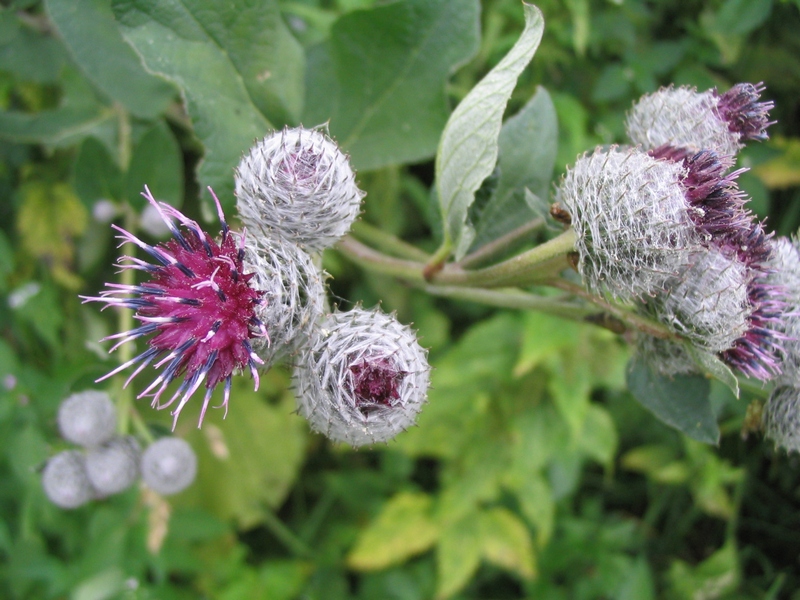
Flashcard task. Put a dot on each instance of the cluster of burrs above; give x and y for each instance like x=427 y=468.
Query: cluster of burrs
x=108 y=463
x=213 y=307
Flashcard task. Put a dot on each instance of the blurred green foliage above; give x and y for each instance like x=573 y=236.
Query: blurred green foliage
x=533 y=473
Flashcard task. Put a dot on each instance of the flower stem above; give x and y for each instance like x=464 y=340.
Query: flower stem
x=285 y=535
x=387 y=242
x=125 y=323
x=495 y=247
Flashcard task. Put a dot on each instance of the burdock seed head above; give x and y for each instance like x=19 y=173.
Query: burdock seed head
x=362 y=379
x=632 y=221
x=87 y=418
x=685 y=118
x=114 y=466
x=296 y=185
x=65 y=481
x=169 y=465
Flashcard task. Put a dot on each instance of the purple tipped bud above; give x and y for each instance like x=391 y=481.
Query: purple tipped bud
x=87 y=418
x=113 y=467
x=169 y=465
x=362 y=379
x=631 y=218
x=685 y=118
x=298 y=186
x=198 y=305
x=781 y=418
x=65 y=481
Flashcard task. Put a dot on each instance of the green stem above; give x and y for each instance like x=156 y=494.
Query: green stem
x=285 y=535
x=495 y=247
x=387 y=242
x=125 y=323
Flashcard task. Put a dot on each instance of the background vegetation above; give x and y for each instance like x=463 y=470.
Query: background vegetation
x=533 y=472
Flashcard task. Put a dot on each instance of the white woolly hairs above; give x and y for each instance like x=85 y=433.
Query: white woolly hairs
x=354 y=349
x=294 y=294
x=684 y=118
x=665 y=357
x=87 y=418
x=169 y=465
x=114 y=467
x=65 y=481
x=781 y=418
x=631 y=220
x=707 y=303
x=298 y=186
x=785 y=276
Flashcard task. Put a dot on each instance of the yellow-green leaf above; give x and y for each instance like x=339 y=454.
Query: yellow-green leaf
x=506 y=543
x=458 y=555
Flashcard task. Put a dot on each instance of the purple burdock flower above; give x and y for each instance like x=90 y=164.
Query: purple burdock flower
x=198 y=304
x=375 y=383
x=745 y=115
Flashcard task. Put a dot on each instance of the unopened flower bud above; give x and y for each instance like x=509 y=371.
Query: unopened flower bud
x=298 y=186
x=781 y=418
x=114 y=466
x=685 y=118
x=65 y=481
x=631 y=218
x=362 y=379
x=87 y=418
x=169 y=465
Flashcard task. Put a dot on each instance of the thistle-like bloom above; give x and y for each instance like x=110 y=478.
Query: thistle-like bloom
x=685 y=118
x=632 y=221
x=297 y=185
x=785 y=275
x=199 y=305
x=781 y=418
x=87 y=418
x=362 y=379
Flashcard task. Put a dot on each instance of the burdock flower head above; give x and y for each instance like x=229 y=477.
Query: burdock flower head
x=198 y=304
x=362 y=379
x=631 y=218
x=296 y=185
x=685 y=118
x=781 y=418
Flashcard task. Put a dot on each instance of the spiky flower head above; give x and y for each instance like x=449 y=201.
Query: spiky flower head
x=114 y=466
x=293 y=294
x=65 y=481
x=631 y=218
x=785 y=275
x=685 y=118
x=169 y=465
x=781 y=418
x=87 y=418
x=298 y=186
x=707 y=302
x=198 y=304
x=362 y=379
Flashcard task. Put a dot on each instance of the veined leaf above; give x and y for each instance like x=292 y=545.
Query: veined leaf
x=469 y=145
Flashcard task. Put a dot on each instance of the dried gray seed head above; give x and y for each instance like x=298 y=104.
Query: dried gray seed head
x=298 y=186
x=87 y=418
x=114 y=466
x=630 y=215
x=65 y=481
x=707 y=302
x=781 y=418
x=293 y=294
x=169 y=465
x=362 y=379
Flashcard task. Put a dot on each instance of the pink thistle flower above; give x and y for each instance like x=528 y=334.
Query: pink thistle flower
x=198 y=304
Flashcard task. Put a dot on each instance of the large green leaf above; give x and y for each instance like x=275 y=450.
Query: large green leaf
x=88 y=29
x=235 y=64
x=27 y=53
x=468 y=148
x=526 y=155
x=156 y=162
x=52 y=127
x=380 y=80
x=681 y=401
x=95 y=175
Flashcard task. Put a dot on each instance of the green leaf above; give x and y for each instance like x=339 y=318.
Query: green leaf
x=95 y=175
x=712 y=365
x=468 y=148
x=248 y=460
x=380 y=79
x=222 y=55
x=27 y=53
x=544 y=335
x=53 y=127
x=526 y=155
x=402 y=529
x=739 y=17
x=715 y=577
x=90 y=32
x=458 y=555
x=537 y=505
x=681 y=402
x=505 y=542
x=158 y=163
x=599 y=439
